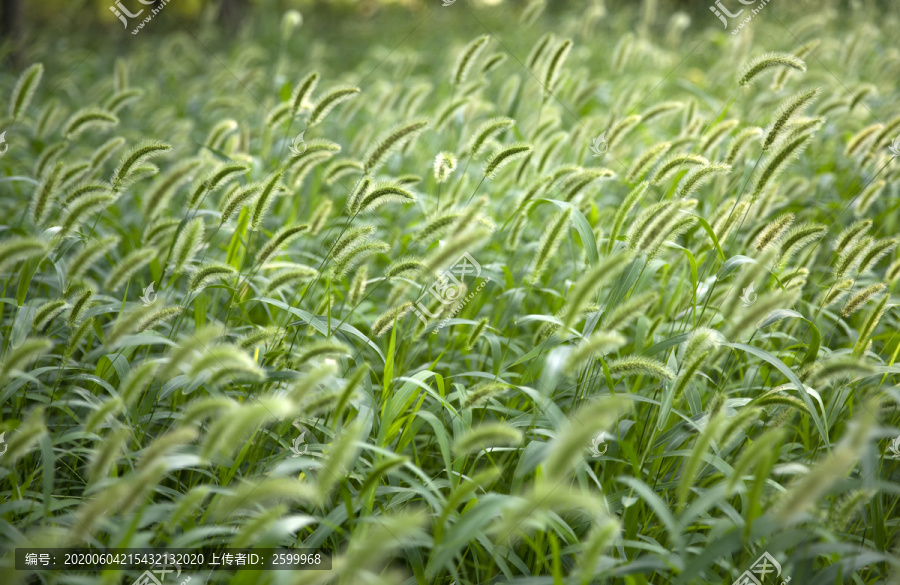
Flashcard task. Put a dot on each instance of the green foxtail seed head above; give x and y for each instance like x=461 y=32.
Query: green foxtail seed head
x=554 y=66
x=673 y=163
x=638 y=365
x=158 y=317
x=698 y=176
x=238 y=198
x=503 y=157
x=46 y=312
x=80 y=333
x=876 y=251
x=385 y=321
x=329 y=102
x=390 y=141
x=292 y=277
x=861 y=138
x=187 y=243
x=787 y=112
x=128 y=266
x=444 y=165
x=279 y=240
x=487 y=130
x=85 y=119
x=20 y=248
x=467 y=58
x=646 y=161
x=858 y=300
x=302 y=92
x=206 y=274
x=550 y=241
x=774 y=230
x=799 y=237
x=22 y=94
x=291 y=20
x=764 y=62
x=776 y=163
x=476 y=333
x=716 y=134
x=319 y=216
x=598 y=343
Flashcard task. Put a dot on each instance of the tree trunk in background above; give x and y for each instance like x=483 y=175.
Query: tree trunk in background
x=231 y=12
x=11 y=28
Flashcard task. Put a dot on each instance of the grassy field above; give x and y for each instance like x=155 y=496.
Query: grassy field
x=463 y=294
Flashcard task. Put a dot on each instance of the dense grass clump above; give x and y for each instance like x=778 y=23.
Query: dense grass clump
x=407 y=307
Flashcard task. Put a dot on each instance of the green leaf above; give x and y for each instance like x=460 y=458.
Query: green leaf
x=389 y=362
x=733 y=264
x=812 y=350
x=673 y=527
x=711 y=233
x=25 y=275
x=318 y=324
x=801 y=389
x=582 y=227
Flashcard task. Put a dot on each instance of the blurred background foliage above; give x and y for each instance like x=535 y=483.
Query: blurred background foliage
x=79 y=14
x=37 y=26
